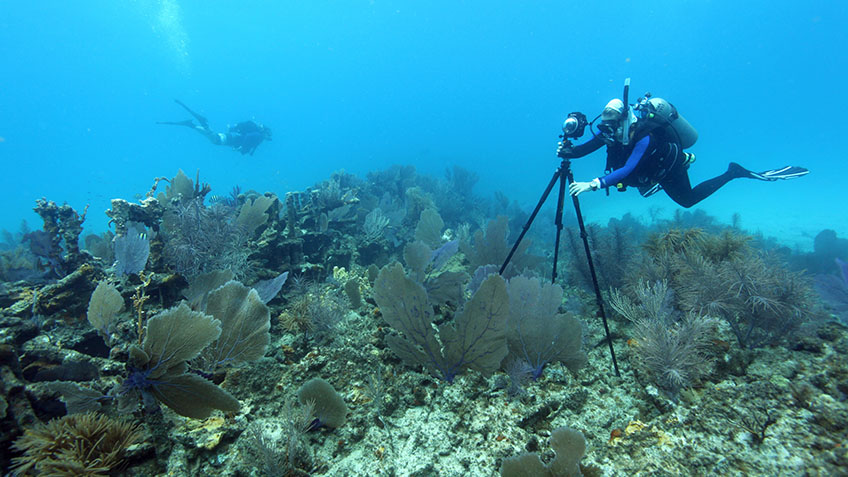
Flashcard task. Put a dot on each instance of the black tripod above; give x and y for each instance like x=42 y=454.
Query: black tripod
x=564 y=175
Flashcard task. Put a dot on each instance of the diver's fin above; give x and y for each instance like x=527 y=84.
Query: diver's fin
x=201 y=119
x=187 y=122
x=787 y=172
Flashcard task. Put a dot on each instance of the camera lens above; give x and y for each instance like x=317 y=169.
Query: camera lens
x=569 y=126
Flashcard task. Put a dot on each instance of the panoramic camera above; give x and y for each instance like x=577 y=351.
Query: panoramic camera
x=574 y=125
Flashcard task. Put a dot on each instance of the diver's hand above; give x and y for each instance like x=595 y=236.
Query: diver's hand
x=577 y=188
x=564 y=150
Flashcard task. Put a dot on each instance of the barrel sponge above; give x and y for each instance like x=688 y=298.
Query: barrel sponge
x=570 y=446
x=524 y=465
x=330 y=408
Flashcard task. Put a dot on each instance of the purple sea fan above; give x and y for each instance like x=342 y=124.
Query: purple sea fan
x=131 y=251
x=441 y=255
x=159 y=370
x=474 y=339
x=537 y=333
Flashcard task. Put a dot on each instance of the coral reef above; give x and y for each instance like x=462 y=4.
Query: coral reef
x=58 y=243
x=278 y=333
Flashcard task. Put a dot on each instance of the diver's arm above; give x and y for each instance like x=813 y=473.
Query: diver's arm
x=249 y=142
x=619 y=174
x=571 y=152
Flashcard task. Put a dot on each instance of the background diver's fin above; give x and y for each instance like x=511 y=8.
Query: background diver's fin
x=187 y=122
x=201 y=119
x=787 y=172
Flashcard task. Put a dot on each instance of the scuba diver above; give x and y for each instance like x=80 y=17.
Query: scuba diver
x=646 y=152
x=244 y=137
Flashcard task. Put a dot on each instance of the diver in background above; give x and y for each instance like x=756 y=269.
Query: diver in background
x=647 y=153
x=244 y=137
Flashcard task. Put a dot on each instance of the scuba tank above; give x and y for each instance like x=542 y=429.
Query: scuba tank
x=663 y=114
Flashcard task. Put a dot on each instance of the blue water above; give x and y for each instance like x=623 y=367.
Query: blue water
x=360 y=85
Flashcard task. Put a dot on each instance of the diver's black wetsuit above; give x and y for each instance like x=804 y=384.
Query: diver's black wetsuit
x=244 y=137
x=653 y=158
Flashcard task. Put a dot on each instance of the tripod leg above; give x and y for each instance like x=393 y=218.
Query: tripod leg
x=542 y=200
x=599 y=299
x=564 y=175
x=558 y=220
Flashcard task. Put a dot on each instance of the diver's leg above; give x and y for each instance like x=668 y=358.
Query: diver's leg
x=676 y=184
x=218 y=139
x=201 y=119
x=679 y=188
x=188 y=123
